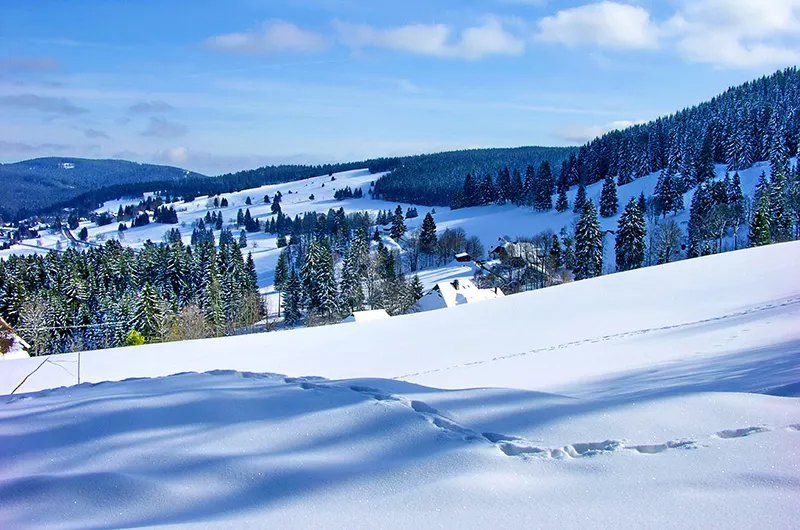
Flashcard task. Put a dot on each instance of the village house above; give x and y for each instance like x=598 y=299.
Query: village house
x=457 y=292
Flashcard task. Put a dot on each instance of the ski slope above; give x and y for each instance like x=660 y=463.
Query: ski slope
x=662 y=397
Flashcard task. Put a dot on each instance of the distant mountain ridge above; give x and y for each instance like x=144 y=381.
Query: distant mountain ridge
x=35 y=185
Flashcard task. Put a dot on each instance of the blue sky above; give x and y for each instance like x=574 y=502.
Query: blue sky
x=217 y=86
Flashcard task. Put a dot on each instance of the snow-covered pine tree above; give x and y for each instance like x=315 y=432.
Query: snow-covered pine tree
x=398 y=224
x=588 y=244
x=780 y=217
x=488 y=193
x=504 y=193
x=544 y=186
x=529 y=186
x=608 y=198
x=580 y=199
x=293 y=314
x=631 y=232
x=427 y=235
x=759 y=226
x=147 y=312
x=562 y=203
x=517 y=188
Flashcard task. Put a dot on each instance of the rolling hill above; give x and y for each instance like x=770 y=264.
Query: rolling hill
x=32 y=186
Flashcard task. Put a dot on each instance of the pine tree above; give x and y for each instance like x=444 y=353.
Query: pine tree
x=529 y=186
x=562 y=203
x=243 y=239
x=780 y=217
x=517 y=187
x=608 y=198
x=580 y=199
x=588 y=244
x=488 y=193
x=642 y=203
x=147 y=312
x=427 y=235
x=293 y=306
x=504 y=191
x=281 y=272
x=398 y=224
x=631 y=231
x=760 y=225
x=248 y=202
x=417 y=290
x=251 y=275
x=544 y=186
x=471 y=192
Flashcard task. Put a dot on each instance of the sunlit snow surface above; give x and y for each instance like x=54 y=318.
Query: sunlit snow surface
x=657 y=398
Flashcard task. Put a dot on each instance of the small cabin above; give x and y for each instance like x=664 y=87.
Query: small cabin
x=517 y=254
x=457 y=292
x=463 y=257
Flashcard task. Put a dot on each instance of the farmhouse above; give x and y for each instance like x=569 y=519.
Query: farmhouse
x=451 y=294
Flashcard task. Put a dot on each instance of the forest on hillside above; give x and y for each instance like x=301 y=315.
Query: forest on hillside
x=434 y=179
x=757 y=121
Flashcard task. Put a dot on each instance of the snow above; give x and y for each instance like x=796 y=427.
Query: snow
x=661 y=397
x=367 y=316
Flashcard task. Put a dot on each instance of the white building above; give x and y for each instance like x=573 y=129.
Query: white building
x=451 y=294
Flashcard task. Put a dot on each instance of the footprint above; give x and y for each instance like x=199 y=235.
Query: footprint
x=740 y=433
x=660 y=448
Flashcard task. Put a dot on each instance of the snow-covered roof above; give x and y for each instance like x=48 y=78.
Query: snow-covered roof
x=367 y=316
x=458 y=292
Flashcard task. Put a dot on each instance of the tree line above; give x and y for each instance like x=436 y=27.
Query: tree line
x=110 y=296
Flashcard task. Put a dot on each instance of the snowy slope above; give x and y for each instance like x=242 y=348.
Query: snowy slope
x=488 y=222
x=653 y=398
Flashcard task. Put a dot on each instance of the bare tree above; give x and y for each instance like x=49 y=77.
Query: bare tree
x=667 y=241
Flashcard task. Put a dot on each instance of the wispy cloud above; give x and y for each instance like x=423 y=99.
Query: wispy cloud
x=434 y=40
x=161 y=128
x=27 y=65
x=583 y=134
x=150 y=107
x=50 y=105
x=96 y=133
x=26 y=149
x=272 y=37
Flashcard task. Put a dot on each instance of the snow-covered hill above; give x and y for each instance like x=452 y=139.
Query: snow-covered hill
x=653 y=398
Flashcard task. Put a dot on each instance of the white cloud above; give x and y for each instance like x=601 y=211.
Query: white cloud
x=605 y=24
x=434 y=40
x=581 y=135
x=737 y=33
x=273 y=37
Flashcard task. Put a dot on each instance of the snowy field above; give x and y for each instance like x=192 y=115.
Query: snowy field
x=662 y=397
